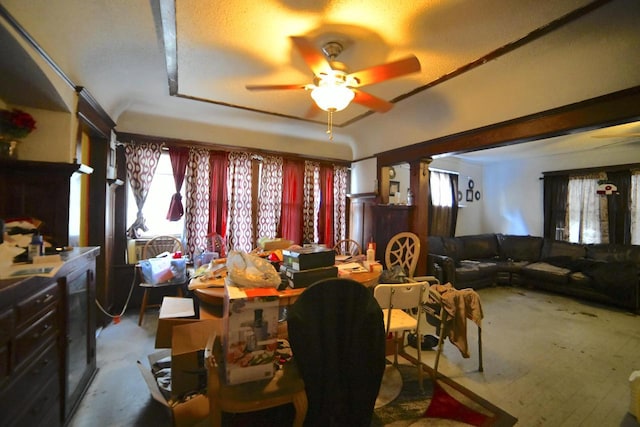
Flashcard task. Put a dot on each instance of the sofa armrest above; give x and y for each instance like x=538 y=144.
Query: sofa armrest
x=442 y=267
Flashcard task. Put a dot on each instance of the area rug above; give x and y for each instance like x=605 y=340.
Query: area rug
x=443 y=403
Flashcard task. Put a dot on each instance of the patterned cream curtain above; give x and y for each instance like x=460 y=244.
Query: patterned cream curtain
x=142 y=161
x=196 y=216
x=239 y=215
x=588 y=216
x=340 y=174
x=270 y=198
x=311 y=207
x=635 y=207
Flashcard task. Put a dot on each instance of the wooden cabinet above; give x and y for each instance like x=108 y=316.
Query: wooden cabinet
x=40 y=190
x=44 y=327
x=361 y=218
x=389 y=220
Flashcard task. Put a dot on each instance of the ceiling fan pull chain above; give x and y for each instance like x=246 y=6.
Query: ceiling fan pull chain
x=330 y=125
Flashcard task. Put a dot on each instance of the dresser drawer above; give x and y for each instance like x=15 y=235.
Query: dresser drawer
x=30 y=381
x=30 y=307
x=42 y=408
x=30 y=340
x=6 y=332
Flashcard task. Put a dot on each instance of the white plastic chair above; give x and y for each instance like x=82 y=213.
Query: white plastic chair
x=398 y=302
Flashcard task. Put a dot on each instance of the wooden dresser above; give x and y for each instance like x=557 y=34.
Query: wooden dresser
x=47 y=342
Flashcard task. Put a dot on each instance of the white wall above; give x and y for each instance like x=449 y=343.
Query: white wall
x=513 y=201
x=512 y=192
x=470 y=214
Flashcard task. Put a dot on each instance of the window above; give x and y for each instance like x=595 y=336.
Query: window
x=443 y=206
x=587 y=210
x=157 y=204
x=593 y=206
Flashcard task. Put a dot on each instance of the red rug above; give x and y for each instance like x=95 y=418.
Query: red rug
x=443 y=405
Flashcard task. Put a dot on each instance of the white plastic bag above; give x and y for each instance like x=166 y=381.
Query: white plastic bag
x=251 y=271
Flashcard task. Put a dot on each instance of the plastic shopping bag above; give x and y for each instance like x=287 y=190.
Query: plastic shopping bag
x=251 y=271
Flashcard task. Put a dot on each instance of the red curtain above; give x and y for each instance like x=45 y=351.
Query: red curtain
x=292 y=200
x=325 y=217
x=179 y=159
x=218 y=201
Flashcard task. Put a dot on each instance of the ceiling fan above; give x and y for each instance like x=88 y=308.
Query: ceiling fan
x=333 y=87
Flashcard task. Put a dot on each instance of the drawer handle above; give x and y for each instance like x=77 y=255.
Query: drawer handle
x=45 y=328
x=46 y=299
x=43 y=364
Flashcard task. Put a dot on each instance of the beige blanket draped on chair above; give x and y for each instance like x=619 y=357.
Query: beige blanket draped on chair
x=460 y=304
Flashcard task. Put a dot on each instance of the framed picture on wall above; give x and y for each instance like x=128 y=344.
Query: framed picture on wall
x=469 y=195
x=111 y=157
x=394 y=187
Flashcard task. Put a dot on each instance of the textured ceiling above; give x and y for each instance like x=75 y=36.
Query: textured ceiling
x=222 y=45
x=186 y=63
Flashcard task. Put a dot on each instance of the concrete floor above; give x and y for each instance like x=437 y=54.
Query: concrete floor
x=548 y=360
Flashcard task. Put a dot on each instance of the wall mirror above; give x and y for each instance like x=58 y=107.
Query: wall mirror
x=394 y=183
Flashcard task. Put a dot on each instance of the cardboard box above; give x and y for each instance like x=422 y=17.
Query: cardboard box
x=308 y=258
x=273 y=244
x=185 y=341
x=304 y=278
x=250 y=333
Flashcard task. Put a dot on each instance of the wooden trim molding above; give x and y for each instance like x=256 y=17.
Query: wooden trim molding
x=607 y=110
x=91 y=113
x=134 y=138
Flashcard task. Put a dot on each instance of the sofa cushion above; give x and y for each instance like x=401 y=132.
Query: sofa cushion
x=450 y=245
x=436 y=246
x=614 y=253
x=547 y=273
x=473 y=270
x=481 y=246
x=520 y=248
x=557 y=248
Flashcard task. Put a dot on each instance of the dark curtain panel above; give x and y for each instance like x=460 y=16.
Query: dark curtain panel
x=292 y=200
x=179 y=159
x=442 y=219
x=325 y=217
x=619 y=208
x=218 y=198
x=454 y=211
x=556 y=188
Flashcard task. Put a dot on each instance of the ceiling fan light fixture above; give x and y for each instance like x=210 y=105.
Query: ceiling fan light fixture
x=332 y=97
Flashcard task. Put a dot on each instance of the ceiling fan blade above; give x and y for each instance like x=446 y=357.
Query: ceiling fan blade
x=372 y=102
x=274 y=87
x=312 y=56
x=387 y=71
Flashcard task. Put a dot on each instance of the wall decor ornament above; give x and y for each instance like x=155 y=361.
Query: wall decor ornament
x=477 y=195
x=469 y=195
x=15 y=124
x=471 y=184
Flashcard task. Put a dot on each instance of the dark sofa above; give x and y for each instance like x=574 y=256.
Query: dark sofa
x=604 y=273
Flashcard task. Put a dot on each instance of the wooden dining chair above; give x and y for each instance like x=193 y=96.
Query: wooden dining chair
x=348 y=247
x=404 y=250
x=153 y=248
x=337 y=337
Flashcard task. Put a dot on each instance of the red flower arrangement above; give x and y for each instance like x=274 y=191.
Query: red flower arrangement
x=16 y=123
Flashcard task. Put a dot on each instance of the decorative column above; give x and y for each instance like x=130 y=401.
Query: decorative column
x=419 y=184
